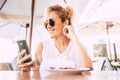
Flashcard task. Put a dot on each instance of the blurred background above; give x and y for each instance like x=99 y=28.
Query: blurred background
x=97 y=24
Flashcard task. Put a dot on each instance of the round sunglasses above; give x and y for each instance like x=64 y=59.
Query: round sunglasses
x=51 y=22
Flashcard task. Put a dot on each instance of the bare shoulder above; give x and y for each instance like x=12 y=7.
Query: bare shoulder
x=40 y=45
x=38 y=52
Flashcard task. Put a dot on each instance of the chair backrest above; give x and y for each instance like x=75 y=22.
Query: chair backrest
x=103 y=64
x=97 y=65
x=107 y=66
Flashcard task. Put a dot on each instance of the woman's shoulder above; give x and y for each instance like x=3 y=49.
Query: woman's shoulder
x=48 y=41
x=45 y=42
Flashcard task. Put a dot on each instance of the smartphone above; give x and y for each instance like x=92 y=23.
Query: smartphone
x=22 y=44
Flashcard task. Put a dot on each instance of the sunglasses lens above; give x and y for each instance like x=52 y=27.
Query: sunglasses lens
x=51 y=22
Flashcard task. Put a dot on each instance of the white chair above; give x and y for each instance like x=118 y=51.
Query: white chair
x=103 y=64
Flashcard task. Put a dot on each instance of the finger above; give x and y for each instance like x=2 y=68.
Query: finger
x=22 y=60
x=21 y=54
x=25 y=66
x=18 y=62
x=34 y=64
x=25 y=69
x=71 y=29
x=35 y=67
x=28 y=64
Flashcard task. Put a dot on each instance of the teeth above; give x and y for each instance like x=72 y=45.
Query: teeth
x=50 y=31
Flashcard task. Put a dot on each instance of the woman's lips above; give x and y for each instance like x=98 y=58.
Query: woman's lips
x=51 y=31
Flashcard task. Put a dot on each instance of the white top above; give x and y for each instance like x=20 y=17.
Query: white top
x=52 y=58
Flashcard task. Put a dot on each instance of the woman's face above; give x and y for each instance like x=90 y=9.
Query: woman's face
x=56 y=30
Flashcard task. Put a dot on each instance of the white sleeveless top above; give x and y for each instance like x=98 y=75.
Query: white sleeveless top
x=52 y=58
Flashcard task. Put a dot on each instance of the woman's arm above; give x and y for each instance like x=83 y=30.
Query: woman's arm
x=32 y=64
x=38 y=52
x=38 y=56
x=82 y=58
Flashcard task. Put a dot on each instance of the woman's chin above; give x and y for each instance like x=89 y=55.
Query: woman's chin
x=51 y=37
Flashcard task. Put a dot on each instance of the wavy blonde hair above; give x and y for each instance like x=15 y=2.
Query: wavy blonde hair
x=65 y=13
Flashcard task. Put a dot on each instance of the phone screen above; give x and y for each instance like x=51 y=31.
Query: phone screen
x=22 y=44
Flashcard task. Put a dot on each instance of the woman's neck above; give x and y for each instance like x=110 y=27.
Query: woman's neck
x=61 y=43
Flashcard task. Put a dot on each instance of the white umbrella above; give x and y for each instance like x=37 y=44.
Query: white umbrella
x=19 y=31
x=20 y=10
x=11 y=30
x=107 y=14
x=101 y=28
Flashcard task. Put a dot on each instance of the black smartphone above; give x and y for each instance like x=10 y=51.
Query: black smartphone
x=22 y=44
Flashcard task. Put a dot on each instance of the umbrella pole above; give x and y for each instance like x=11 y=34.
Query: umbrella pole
x=115 y=53
x=31 y=27
x=27 y=26
x=108 y=39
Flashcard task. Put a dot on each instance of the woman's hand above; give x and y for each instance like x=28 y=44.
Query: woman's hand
x=25 y=66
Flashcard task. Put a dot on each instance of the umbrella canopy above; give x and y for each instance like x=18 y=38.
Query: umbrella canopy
x=20 y=10
x=99 y=28
x=19 y=31
x=109 y=30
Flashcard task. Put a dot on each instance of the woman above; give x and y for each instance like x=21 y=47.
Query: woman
x=64 y=49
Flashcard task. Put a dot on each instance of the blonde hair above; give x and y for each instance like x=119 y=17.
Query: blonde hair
x=65 y=13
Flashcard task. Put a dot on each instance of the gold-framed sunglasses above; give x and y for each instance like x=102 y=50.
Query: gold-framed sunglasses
x=51 y=22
